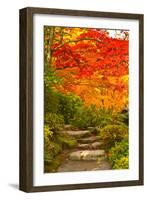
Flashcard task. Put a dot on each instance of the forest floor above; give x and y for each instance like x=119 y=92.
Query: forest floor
x=88 y=155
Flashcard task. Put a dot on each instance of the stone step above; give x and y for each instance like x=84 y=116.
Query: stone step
x=94 y=130
x=104 y=165
x=78 y=134
x=87 y=155
x=93 y=145
x=87 y=140
x=68 y=127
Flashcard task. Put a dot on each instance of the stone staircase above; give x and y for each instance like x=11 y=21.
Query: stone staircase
x=88 y=155
x=88 y=146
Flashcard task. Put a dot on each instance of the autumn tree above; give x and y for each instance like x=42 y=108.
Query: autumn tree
x=91 y=63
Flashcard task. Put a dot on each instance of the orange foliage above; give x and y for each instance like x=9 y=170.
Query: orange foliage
x=93 y=65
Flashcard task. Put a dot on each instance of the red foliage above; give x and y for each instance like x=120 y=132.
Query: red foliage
x=90 y=53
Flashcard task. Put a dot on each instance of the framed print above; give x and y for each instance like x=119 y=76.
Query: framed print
x=81 y=99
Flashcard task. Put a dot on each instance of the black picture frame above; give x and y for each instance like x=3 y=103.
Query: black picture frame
x=26 y=99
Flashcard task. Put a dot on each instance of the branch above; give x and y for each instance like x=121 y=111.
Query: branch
x=64 y=67
x=82 y=39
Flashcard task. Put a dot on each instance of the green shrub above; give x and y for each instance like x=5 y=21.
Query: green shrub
x=111 y=134
x=51 y=148
x=66 y=141
x=54 y=143
x=104 y=117
x=59 y=103
x=92 y=117
x=53 y=165
x=118 y=155
x=54 y=121
x=82 y=118
x=122 y=118
x=51 y=151
x=48 y=134
x=122 y=163
x=51 y=101
x=68 y=106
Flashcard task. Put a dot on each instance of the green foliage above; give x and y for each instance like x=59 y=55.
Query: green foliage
x=54 y=121
x=51 y=101
x=48 y=134
x=104 y=117
x=111 y=134
x=84 y=117
x=122 y=163
x=123 y=118
x=53 y=165
x=68 y=106
x=50 y=77
x=54 y=142
x=63 y=104
x=67 y=141
x=91 y=116
x=118 y=155
x=50 y=147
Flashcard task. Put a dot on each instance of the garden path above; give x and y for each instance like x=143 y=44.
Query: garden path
x=88 y=155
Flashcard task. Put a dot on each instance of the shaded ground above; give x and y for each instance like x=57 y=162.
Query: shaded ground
x=69 y=166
